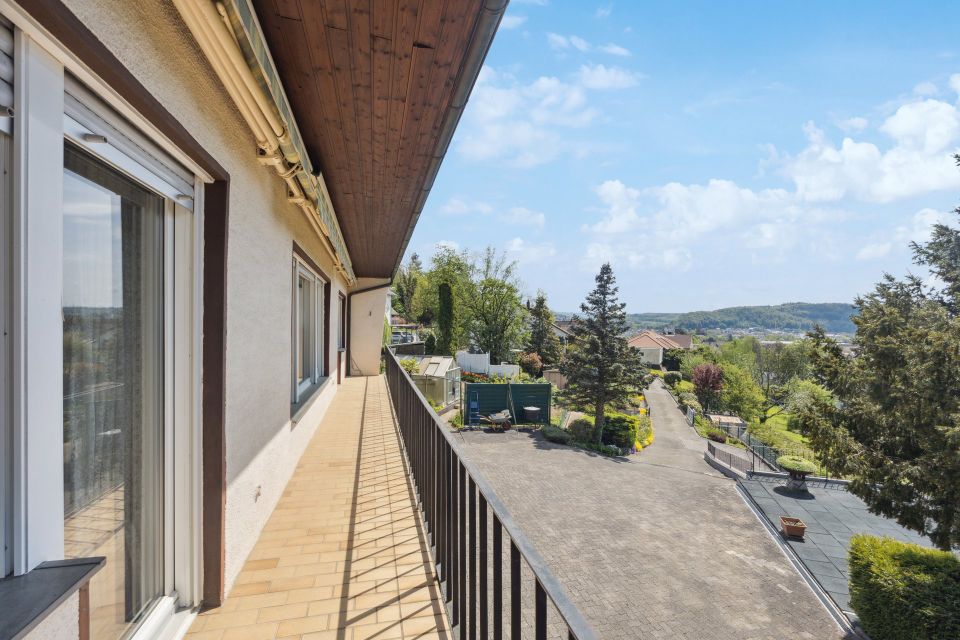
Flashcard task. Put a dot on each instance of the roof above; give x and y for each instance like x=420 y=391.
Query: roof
x=683 y=341
x=437 y=366
x=651 y=340
x=377 y=89
x=567 y=329
x=719 y=419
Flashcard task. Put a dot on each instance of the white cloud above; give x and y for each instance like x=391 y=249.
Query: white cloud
x=853 y=125
x=512 y=22
x=920 y=226
x=924 y=134
x=579 y=43
x=519 y=123
x=602 y=77
x=604 y=12
x=448 y=244
x=874 y=250
x=955 y=83
x=557 y=41
x=458 y=207
x=926 y=89
x=523 y=251
x=615 y=50
x=524 y=216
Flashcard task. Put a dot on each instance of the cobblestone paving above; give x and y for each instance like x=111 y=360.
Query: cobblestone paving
x=657 y=545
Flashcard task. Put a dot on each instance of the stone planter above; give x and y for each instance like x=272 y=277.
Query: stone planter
x=792 y=527
x=797 y=481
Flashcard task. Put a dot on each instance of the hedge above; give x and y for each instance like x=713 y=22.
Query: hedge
x=556 y=434
x=620 y=430
x=903 y=591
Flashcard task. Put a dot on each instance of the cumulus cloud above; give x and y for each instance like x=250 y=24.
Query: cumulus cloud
x=524 y=216
x=926 y=89
x=853 y=125
x=955 y=83
x=512 y=22
x=923 y=134
x=459 y=207
x=560 y=42
x=603 y=77
x=874 y=250
x=523 y=251
x=615 y=50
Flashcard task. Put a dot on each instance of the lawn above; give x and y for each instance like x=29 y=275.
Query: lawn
x=775 y=431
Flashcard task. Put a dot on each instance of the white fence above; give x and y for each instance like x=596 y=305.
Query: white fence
x=480 y=363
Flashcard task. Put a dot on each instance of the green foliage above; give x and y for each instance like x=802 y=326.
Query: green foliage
x=741 y=352
x=672 y=377
x=904 y=591
x=644 y=431
x=620 y=430
x=894 y=428
x=793 y=316
x=601 y=368
x=672 y=359
x=740 y=395
x=706 y=429
x=531 y=364
x=405 y=287
x=430 y=343
x=497 y=317
x=542 y=339
x=694 y=358
x=684 y=387
x=582 y=429
x=445 y=319
x=457 y=421
x=796 y=464
x=387 y=333
x=452 y=268
x=556 y=434
x=686 y=399
x=410 y=365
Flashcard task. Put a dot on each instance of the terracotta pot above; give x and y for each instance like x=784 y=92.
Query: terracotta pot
x=792 y=527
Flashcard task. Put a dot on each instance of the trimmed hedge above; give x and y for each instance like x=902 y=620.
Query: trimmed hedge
x=904 y=591
x=796 y=464
x=556 y=434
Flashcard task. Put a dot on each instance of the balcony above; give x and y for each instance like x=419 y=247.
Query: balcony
x=387 y=533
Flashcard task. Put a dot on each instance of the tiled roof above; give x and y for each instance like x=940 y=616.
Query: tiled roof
x=651 y=340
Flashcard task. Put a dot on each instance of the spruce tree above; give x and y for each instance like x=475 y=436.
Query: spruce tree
x=602 y=370
x=543 y=341
x=894 y=426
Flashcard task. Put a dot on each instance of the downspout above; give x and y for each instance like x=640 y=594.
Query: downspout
x=350 y=295
x=210 y=27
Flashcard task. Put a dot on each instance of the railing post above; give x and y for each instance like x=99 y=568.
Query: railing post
x=473 y=559
x=514 y=591
x=483 y=567
x=540 y=611
x=497 y=579
x=462 y=591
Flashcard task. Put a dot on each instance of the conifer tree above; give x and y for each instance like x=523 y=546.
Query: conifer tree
x=602 y=370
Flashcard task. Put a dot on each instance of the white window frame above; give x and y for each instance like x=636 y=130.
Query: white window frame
x=317 y=283
x=36 y=247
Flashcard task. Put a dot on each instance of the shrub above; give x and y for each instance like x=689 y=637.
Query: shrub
x=904 y=591
x=684 y=387
x=672 y=377
x=644 y=433
x=693 y=404
x=602 y=449
x=466 y=376
x=620 y=430
x=430 y=344
x=796 y=464
x=582 y=429
x=410 y=365
x=556 y=434
x=457 y=421
x=531 y=363
x=647 y=380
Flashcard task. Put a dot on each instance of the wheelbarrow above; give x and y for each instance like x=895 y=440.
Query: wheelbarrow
x=498 y=421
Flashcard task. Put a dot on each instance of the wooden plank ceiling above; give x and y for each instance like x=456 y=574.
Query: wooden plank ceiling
x=370 y=83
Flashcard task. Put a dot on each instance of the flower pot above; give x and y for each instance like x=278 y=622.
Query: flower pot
x=792 y=527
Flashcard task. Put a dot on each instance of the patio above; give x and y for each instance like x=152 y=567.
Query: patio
x=344 y=554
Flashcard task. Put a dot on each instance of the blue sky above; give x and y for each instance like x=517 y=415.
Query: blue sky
x=774 y=153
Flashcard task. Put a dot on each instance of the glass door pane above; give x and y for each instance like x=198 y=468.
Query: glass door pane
x=113 y=357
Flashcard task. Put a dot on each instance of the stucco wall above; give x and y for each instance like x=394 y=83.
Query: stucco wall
x=61 y=624
x=263 y=446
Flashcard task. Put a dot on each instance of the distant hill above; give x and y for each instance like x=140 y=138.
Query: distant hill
x=792 y=316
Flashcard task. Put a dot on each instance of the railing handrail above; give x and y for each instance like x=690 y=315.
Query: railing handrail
x=571 y=615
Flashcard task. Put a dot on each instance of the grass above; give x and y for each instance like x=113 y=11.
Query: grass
x=776 y=432
x=684 y=386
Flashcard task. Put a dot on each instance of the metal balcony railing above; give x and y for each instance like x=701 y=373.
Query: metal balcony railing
x=455 y=502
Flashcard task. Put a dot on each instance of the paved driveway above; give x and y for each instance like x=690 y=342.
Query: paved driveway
x=658 y=545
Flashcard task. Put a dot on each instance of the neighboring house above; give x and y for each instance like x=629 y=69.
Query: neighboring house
x=202 y=205
x=651 y=346
x=682 y=340
x=564 y=333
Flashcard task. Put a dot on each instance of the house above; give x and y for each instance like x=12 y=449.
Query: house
x=563 y=332
x=202 y=205
x=652 y=346
x=683 y=340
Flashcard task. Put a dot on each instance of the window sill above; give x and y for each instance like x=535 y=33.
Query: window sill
x=30 y=598
x=307 y=398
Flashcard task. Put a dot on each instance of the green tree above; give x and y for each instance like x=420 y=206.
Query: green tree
x=453 y=268
x=496 y=315
x=542 y=339
x=673 y=359
x=895 y=427
x=741 y=395
x=405 y=286
x=601 y=369
x=444 y=319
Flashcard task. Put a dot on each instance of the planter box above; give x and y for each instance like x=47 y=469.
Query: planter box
x=792 y=527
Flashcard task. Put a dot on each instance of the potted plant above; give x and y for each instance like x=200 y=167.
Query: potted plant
x=798 y=468
x=792 y=527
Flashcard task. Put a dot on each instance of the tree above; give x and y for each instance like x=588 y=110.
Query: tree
x=740 y=394
x=531 y=364
x=405 y=286
x=601 y=368
x=444 y=319
x=453 y=268
x=894 y=428
x=673 y=358
x=707 y=384
x=496 y=315
x=542 y=339
x=430 y=343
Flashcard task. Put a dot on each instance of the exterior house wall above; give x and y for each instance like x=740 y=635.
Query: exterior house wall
x=651 y=355
x=263 y=444
x=366 y=327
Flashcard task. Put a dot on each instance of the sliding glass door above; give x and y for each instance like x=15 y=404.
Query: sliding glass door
x=113 y=384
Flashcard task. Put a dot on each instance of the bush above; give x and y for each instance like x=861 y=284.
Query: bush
x=647 y=380
x=410 y=365
x=904 y=591
x=620 y=430
x=531 y=363
x=582 y=429
x=696 y=406
x=672 y=377
x=684 y=387
x=430 y=344
x=688 y=399
x=655 y=372
x=556 y=434
x=457 y=421
x=644 y=433
x=796 y=464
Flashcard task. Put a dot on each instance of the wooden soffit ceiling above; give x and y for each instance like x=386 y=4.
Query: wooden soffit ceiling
x=377 y=88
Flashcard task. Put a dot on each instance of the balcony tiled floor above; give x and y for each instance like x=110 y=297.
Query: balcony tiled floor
x=344 y=555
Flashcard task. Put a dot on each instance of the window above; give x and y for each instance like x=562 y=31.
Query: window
x=342 y=324
x=308 y=347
